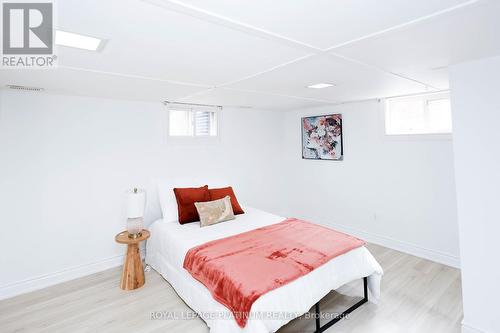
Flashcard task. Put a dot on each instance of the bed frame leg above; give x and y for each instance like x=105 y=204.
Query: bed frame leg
x=317 y=313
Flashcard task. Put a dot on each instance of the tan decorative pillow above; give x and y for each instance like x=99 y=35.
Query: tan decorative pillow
x=212 y=212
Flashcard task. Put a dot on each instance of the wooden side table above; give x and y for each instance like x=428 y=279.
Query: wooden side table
x=133 y=273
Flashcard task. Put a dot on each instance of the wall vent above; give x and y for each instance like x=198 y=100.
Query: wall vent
x=24 y=88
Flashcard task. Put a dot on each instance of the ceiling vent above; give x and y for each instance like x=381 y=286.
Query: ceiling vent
x=24 y=88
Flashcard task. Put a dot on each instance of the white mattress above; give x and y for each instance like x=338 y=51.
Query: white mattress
x=170 y=241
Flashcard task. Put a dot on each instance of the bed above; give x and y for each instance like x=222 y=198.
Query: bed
x=170 y=241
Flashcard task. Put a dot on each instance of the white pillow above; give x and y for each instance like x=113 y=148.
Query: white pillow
x=166 y=195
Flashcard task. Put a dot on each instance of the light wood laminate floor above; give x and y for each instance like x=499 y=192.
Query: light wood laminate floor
x=417 y=296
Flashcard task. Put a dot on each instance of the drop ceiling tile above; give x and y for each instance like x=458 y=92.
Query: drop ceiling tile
x=323 y=23
x=351 y=81
x=424 y=50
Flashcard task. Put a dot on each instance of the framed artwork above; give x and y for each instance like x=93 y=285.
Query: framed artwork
x=322 y=138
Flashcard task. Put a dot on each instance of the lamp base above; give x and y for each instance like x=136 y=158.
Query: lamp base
x=135 y=236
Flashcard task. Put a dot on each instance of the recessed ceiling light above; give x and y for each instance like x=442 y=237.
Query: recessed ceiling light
x=78 y=41
x=320 y=85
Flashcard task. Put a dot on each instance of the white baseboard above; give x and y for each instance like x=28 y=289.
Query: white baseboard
x=418 y=251
x=74 y=272
x=43 y=281
x=469 y=329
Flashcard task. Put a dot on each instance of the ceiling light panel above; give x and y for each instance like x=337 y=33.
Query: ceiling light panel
x=70 y=39
x=320 y=85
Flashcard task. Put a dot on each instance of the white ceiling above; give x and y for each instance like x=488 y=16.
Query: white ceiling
x=323 y=23
x=263 y=54
x=352 y=81
x=424 y=50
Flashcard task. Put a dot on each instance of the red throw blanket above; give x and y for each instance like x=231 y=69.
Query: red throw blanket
x=239 y=269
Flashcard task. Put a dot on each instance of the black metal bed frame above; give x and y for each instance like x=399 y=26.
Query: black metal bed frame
x=320 y=329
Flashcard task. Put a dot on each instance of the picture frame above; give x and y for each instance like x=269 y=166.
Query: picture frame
x=322 y=137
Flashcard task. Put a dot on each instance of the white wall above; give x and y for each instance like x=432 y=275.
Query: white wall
x=475 y=87
x=66 y=161
x=398 y=193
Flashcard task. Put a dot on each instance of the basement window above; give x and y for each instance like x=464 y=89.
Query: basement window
x=418 y=115
x=192 y=122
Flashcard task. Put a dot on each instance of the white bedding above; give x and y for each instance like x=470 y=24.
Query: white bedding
x=170 y=241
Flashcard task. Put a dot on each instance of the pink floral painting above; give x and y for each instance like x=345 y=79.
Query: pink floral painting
x=322 y=137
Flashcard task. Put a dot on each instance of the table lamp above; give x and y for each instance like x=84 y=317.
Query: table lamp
x=136 y=201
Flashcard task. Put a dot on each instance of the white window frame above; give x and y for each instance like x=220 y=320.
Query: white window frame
x=191 y=139
x=417 y=136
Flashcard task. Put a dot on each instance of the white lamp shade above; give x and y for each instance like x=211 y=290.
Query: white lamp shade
x=136 y=201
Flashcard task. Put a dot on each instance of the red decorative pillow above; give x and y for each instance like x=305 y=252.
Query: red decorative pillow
x=219 y=193
x=186 y=197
